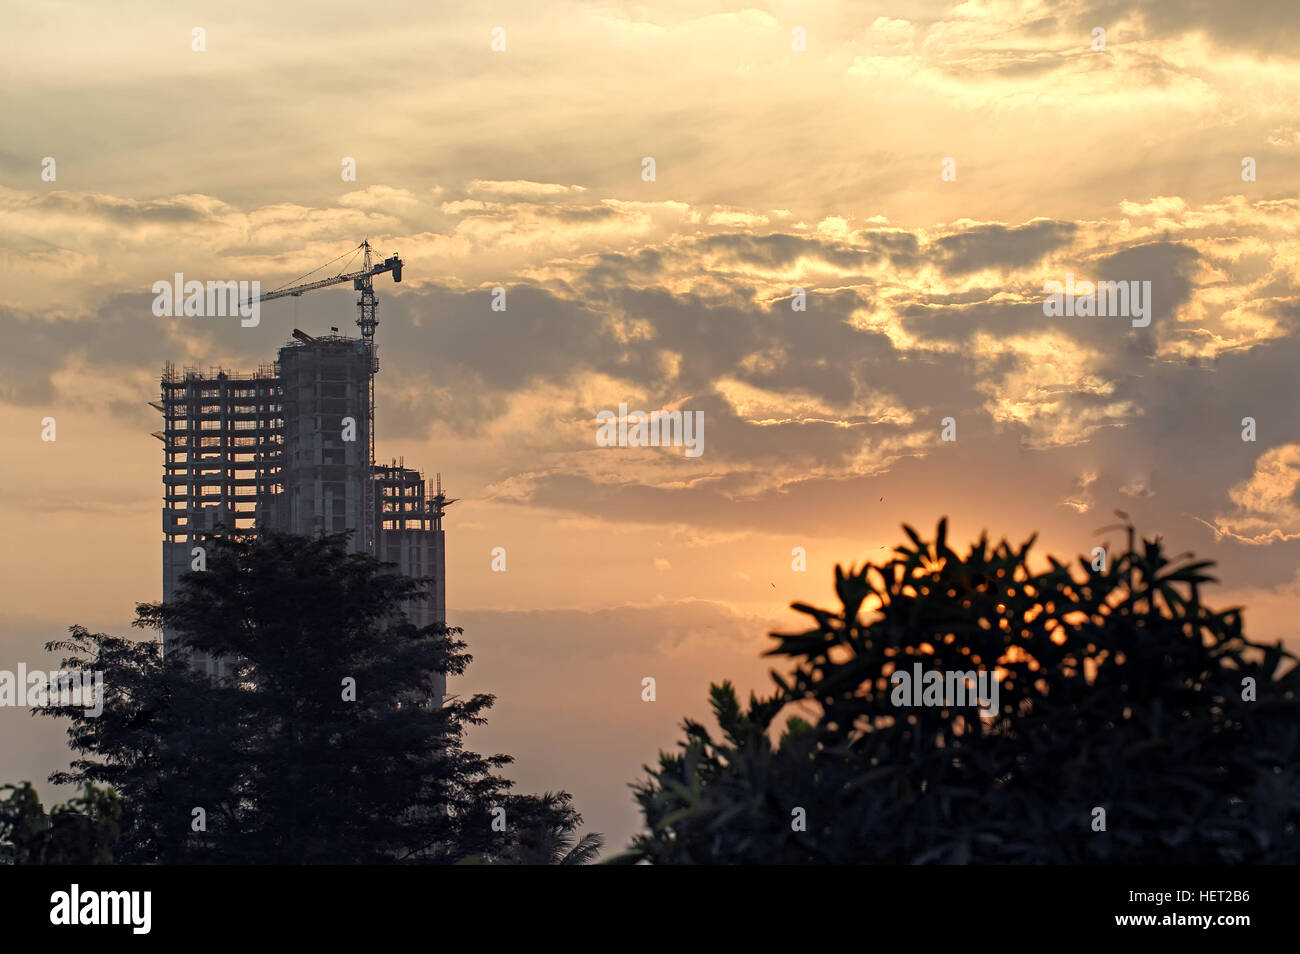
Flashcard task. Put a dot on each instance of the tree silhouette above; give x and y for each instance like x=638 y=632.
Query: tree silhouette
x=83 y=831
x=282 y=761
x=1119 y=691
x=548 y=832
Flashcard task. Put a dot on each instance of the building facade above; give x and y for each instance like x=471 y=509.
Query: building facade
x=289 y=448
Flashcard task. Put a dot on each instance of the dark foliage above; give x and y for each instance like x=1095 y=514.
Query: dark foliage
x=1120 y=690
x=284 y=768
x=82 y=832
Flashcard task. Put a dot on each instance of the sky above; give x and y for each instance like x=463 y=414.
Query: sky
x=795 y=146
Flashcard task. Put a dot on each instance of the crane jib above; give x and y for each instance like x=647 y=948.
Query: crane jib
x=359 y=280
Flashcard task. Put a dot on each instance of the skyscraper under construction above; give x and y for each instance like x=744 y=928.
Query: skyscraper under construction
x=290 y=447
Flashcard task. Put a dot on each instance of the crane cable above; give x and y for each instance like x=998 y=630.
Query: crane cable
x=318 y=268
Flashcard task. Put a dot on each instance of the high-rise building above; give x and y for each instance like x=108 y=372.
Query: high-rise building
x=288 y=448
x=325 y=466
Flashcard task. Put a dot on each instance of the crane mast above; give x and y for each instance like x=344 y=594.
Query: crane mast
x=367 y=321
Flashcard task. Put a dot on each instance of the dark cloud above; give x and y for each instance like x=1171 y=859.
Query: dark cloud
x=781 y=250
x=123 y=333
x=597 y=213
x=902 y=248
x=122 y=211
x=1260 y=27
x=539 y=337
x=1011 y=64
x=998 y=246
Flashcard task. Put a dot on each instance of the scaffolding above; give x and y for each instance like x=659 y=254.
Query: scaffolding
x=222 y=439
x=222 y=436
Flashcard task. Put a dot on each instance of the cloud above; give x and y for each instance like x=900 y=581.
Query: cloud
x=902 y=327
x=897 y=332
x=995 y=246
x=1267 y=505
x=522 y=189
x=1138 y=488
x=380 y=198
x=1081 y=500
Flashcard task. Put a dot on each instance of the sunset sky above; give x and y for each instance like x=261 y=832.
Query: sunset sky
x=776 y=169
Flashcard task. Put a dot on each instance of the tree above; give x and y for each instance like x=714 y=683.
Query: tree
x=1133 y=725
x=83 y=831
x=547 y=832
x=324 y=744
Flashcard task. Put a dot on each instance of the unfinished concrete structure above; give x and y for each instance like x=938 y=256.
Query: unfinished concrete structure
x=325 y=390
x=409 y=531
x=290 y=448
x=223 y=435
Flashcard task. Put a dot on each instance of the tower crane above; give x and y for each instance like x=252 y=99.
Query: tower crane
x=367 y=304
x=361 y=280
